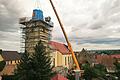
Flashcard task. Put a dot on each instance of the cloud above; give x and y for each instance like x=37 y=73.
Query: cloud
x=93 y=22
x=10 y=12
x=88 y=23
x=93 y=46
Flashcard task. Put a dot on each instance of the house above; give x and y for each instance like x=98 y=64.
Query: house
x=12 y=58
x=1 y=59
x=107 y=61
x=116 y=56
x=60 y=55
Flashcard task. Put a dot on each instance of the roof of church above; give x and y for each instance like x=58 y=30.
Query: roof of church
x=59 y=47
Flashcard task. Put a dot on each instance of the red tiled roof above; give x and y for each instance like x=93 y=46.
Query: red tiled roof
x=115 y=56
x=106 y=60
x=8 y=70
x=108 y=56
x=59 y=47
x=59 y=77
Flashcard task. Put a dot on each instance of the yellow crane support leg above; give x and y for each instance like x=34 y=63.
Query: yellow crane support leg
x=69 y=45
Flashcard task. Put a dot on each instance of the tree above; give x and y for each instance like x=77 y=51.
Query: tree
x=117 y=65
x=98 y=71
x=88 y=73
x=2 y=65
x=36 y=66
x=71 y=75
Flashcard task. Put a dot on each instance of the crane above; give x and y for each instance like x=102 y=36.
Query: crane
x=65 y=35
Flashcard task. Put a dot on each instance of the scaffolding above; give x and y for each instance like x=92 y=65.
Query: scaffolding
x=34 y=31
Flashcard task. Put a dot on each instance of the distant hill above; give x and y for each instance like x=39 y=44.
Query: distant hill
x=105 y=51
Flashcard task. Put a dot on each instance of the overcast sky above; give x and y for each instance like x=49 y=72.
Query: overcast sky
x=90 y=24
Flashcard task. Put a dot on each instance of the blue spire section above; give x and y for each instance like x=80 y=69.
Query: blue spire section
x=37 y=14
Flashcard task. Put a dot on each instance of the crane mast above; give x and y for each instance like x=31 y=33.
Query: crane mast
x=65 y=35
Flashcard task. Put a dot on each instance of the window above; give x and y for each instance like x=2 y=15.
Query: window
x=54 y=62
x=7 y=62
x=65 y=61
x=11 y=62
x=18 y=61
x=68 y=59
